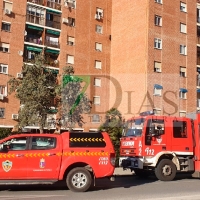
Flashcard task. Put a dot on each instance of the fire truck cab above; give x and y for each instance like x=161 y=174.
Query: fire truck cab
x=163 y=145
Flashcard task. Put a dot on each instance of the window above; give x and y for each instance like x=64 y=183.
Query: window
x=183 y=49
x=37 y=15
x=158 y=1
x=70 y=3
x=179 y=129
x=158 y=43
x=95 y=118
x=18 y=143
x=71 y=21
x=3 y=69
x=182 y=93
x=98 y=46
x=3 y=90
x=157 y=67
x=182 y=71
x=99 y=29
x=7 y=6
x=70 y=59
x=70 y=40
x=96 y=100
x=157 y=111
x=4 y=47
x=158 y=20
x=97 y=64
x=43 y=143
x=99 y=13
x=2 y=112
x=97 y=82
x=158 y=90
x=183 y=7
x=182 y=28
x=182 y=113
x=5 y=26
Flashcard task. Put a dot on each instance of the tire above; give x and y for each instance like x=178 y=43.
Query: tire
x=165 y=170
x=79 y=180
x=141 y=173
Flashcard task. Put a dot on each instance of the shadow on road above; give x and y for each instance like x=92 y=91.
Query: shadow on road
x=126 y=181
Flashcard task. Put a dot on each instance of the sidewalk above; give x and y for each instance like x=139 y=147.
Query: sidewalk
x=120 y=172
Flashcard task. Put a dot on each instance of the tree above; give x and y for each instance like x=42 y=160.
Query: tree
x=113 y=126
x=37 y=92
x=75 y=102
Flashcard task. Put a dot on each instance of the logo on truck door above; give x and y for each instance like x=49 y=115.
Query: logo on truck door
x=7 y=165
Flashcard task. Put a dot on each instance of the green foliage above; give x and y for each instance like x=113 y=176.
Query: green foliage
x=37 y=92
x=4 y=132
x=113 y=125
x=74 y=100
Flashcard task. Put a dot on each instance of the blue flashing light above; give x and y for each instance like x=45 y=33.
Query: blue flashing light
x=146 y=113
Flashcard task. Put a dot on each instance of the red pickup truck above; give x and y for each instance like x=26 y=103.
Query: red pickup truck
x=76 y=157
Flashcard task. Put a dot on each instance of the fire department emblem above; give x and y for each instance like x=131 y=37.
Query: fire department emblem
x=159 y=140
x=42 y=163
x=7 y=165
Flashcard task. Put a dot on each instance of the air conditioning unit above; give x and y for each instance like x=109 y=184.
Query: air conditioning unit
x=19 y=75
x=14 y=116
x=97 y=16
x=1 y=96
x=65 y=20
x=7 y=11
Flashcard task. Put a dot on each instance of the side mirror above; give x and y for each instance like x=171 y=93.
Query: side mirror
x=5 y=148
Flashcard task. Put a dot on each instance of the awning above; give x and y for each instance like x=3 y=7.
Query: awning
x=34 y=49
x=52 y=51
x=53 y=32
x=35 y=27
x=183 y=90
x=160 y=87
x=53 y=11
x=198 y=90
x=54 y=71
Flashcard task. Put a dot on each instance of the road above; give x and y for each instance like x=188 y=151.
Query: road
x=123 y=188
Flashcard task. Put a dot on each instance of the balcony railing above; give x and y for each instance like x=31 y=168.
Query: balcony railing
x=33 y=40
x=52 y=44
x=54 y=5
x=198 y=103
x=40 y=2
x=198 y=19
x=198 y=39
x=35 y=19
x=198 y=60
x=52 y=24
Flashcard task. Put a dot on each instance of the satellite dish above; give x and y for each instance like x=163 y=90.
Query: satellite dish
x=20 y=53
x=25 y=33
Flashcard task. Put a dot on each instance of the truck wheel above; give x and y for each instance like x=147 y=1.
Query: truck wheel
x=165 y=170
x=79 y=179
x=141 y=173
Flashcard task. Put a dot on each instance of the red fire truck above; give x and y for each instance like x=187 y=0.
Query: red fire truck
x=75 y=157
x=163 y=145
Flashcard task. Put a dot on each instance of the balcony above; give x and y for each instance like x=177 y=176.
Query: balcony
x=54 y=5
x=34 y=40
x=35 y=19
x=52 y=44
x=53 y=24
x=39 y=2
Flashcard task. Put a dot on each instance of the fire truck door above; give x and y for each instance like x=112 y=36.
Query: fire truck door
x=181 y=139
x=14 y=161
x=44 y=158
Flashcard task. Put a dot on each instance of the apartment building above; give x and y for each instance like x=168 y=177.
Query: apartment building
x=138 y=55
x=69 y=33
x=155 y=51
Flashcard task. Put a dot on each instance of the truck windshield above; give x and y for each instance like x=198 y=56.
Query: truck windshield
x=133 y=128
